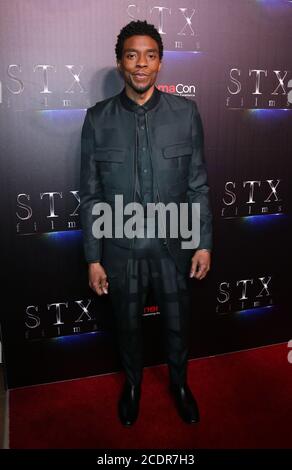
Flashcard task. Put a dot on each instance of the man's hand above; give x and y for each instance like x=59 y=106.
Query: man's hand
x=201 y=261
x=97 y=278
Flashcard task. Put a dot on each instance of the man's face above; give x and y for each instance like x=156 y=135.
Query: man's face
x=140 y=62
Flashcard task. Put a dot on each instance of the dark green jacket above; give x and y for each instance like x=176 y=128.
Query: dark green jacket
x=108 y=165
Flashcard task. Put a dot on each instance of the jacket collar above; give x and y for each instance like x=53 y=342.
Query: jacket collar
x=131 y=105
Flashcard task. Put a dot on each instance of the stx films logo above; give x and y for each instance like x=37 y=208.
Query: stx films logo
x=66 y=318
x=60 y=319
x=176 y=25
x=251 y=197
x=43 y=86
x=244 y=294
x=258 y=89
x=49 y=211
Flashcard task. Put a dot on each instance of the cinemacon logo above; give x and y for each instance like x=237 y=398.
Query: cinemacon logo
x=180 y=89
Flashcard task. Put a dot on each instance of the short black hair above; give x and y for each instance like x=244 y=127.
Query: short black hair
x=141 y=28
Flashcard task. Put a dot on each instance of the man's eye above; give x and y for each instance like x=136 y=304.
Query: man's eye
x=131 y=56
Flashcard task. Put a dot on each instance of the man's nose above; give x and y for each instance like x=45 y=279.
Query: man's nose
x=141 y=62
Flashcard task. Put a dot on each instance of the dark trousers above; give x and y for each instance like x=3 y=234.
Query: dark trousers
x=150 y=263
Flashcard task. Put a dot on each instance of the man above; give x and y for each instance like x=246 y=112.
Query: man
x=146 y=146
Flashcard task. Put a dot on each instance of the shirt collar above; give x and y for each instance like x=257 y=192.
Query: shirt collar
x=131 y=105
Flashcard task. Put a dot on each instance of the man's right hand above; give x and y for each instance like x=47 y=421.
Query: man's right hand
x=97 y=278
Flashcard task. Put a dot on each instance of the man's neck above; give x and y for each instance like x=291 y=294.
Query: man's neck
x=139 y=98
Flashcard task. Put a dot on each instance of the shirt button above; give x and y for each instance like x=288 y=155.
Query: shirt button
x=145 y=171
x=142 y=127
x=143 y=148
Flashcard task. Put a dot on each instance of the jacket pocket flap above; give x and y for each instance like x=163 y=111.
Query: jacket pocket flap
x=109 y=154
x=177 y=150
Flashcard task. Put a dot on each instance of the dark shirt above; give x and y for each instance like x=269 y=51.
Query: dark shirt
x=144 y=184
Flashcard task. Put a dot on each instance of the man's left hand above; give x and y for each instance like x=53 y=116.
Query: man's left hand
x=201 y=262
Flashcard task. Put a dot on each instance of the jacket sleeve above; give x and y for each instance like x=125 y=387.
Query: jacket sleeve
x=90 y=191
x=198 y=188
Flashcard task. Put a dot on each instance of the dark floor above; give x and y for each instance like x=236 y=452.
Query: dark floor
x=2 y=407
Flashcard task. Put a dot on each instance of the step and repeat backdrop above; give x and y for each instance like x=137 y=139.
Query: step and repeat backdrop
x=57 y=59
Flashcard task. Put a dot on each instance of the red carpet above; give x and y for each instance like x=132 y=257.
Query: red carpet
x=245 y=400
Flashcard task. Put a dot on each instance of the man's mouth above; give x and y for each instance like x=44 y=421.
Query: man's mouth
x=140 y=75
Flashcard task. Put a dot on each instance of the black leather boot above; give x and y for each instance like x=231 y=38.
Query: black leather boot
x=128 y=406
x=185 y=403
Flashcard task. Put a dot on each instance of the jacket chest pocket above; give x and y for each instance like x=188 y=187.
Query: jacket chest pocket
x=110 y=158
x=176 y=154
